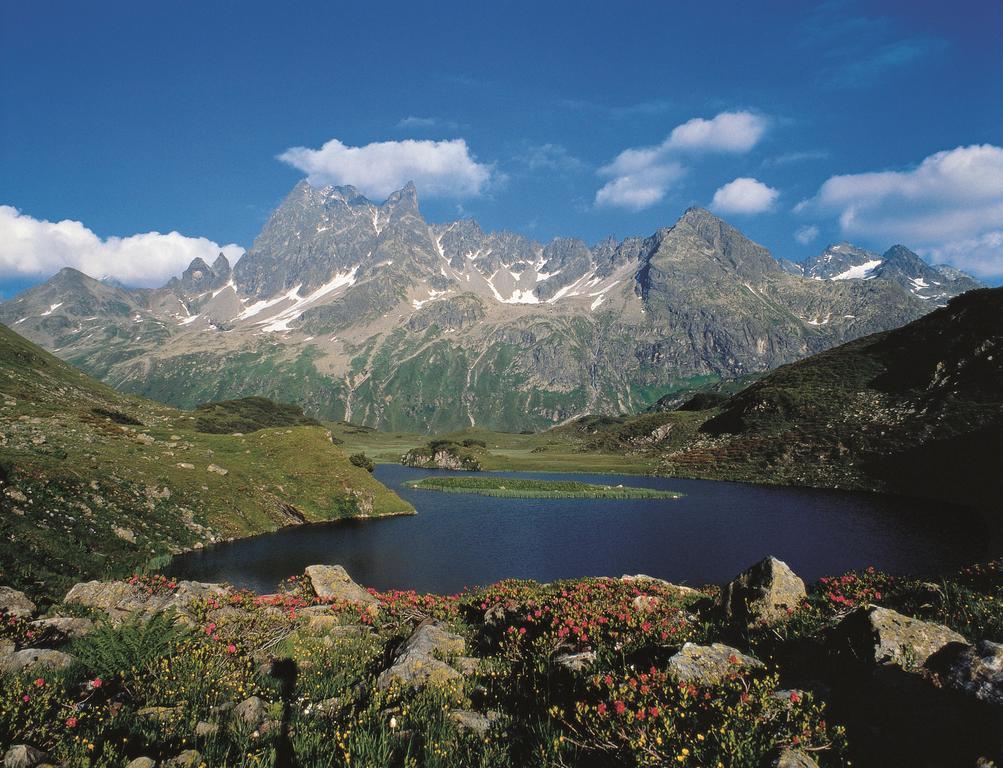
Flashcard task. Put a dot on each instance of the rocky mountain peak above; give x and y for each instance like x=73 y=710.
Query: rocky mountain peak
x=221 y=266
x=404 y=199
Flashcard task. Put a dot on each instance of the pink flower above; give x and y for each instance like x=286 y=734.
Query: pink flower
x=231 y=648
x=97 y=682
x=619 y=706
x=71 y=722
x=39 y=682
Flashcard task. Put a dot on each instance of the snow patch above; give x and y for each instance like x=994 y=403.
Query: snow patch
x=859 y=272
x=52 y=308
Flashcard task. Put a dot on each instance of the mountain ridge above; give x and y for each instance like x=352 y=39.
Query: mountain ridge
x=360 y=310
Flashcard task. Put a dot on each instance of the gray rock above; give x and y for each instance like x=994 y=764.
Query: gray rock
x=142 y=762
x=251 y=711
x=793 y=758
x=976 y=670
x=641 y=580
x=762 y=593
x=202 y=728
x=119 y=600
x=882 y=636
x=24 y=756
x=66 y=626
x=161 y=714
x=15 y=603
x=709 y=664
x=419 y=662
x=190 y=758
x=474 y=722
x=332 y=582
x=576 y=662
x=35 y=657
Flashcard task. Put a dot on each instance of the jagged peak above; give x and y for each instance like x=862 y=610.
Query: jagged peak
x=221 y=266
x=404 y=198
x=198 y=263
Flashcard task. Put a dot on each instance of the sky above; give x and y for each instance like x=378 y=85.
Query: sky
x=136 y=136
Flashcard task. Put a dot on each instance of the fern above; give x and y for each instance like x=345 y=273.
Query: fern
x=133 y=645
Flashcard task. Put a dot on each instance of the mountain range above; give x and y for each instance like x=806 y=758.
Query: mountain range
x=366 y=312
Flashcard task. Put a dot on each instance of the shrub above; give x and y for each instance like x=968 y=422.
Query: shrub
x=363 y=461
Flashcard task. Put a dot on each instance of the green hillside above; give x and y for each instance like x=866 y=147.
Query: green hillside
x=94 y=483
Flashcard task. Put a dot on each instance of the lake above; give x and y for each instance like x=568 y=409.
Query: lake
x=716 y=530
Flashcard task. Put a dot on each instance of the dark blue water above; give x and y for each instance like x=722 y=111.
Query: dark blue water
x=708 y=536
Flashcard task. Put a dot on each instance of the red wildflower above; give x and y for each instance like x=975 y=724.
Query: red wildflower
x=71 y=722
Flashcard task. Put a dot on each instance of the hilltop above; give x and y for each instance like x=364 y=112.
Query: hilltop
x=93 y=482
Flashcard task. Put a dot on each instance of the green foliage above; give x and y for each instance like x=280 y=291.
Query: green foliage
x=363 y=461
x=537 y=489
x=134 y=645
x=248 y=414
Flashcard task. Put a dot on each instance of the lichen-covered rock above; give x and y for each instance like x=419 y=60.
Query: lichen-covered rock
x=190 y=758
x=879 y=635
x=793 y=758
x=24 y=756
x=976 y=670
x=33 y=658
x=332 y=582
x=709 y=664
x=65 y=626
x=763 y=593
x=576 y=662
x=251 y=711
x=473 y=722
x=15 y=603
x=420 y=660
x=142 y=762
x=119 y=599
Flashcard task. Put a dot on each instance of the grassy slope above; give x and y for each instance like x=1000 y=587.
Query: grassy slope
x=537 y=489
x=82 y=495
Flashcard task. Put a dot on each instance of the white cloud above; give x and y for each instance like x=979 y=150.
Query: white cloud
x=415 y=123
x=806 y=234
x=641 y=176
x=744 y=195
x=438 y=168
x=981 y=255
x=32 y=247
x=951 y=198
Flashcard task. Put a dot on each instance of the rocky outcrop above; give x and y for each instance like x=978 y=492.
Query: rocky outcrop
x=15 y=603
x=30 y=658
x=764 y=593
x=881 y=636
x=440 y=458
x=793 y=758
x=709 y=664
x=420 y=660
x=332 y=582
x=24 y=756
x=975 y=670
x=120 y=599
x=64 y=626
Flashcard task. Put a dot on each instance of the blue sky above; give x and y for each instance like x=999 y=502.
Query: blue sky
x=577 y=118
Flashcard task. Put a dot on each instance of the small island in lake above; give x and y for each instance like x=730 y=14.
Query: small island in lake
x=537 y=489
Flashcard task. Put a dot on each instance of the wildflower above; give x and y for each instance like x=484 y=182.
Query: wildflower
x=71 y=722
x=619 y=706
x=231 y=648
x=39 y=682
x=794 y=697
x=601 y=709
x=97 y=682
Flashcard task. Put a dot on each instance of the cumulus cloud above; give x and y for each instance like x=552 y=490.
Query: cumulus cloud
x=32 y=247
x=744 y=195
x=981 y=255
x=806 y=234
x=951 y=200
x=438 y=168
x=554 y=157
x=641 y=176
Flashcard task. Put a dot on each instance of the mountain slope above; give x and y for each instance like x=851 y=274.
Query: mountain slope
x=916 y=410
x=365 y=312
x=93 y=482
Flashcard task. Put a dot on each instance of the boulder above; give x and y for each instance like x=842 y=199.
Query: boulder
x=35 y=657
x=762 y=594
x=251 y=711
x=24 y=756
x=879 y=635
x=976 y=670
x=793 y=758
x=119 y=599
x=473 y=722
x=645 y=603
x=190 y=758
x=202 y=728
x=709 y=664
x=65 y=626
x=15 y=603
x=576 y=663
x=332 y=582
x=141 y=762
x=419 y=661
x=679 y=589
